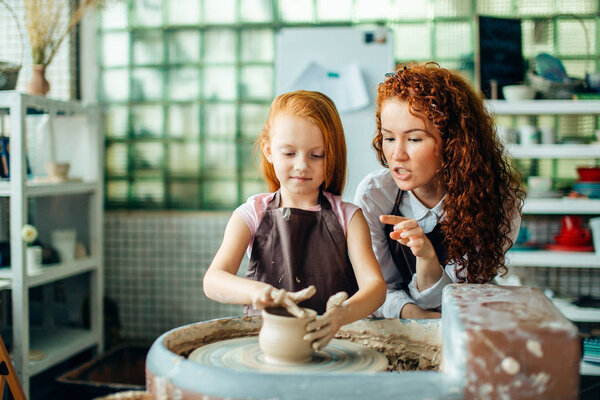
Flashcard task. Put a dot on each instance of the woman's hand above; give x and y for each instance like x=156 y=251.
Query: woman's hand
x=409 y=233
x=272 y=297
x=324 y=328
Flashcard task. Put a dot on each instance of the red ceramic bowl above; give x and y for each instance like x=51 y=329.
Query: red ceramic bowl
x=589 y=174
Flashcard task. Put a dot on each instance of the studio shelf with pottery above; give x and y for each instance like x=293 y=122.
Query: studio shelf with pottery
x=68 y=134
x=543 y=202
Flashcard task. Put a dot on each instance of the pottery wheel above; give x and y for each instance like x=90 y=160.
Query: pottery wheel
x=244 y=354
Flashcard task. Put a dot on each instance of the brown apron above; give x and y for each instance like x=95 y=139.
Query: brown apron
x=405 y=260
x=295 y=248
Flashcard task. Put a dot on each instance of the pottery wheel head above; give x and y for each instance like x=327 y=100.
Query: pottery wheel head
x=243 y=354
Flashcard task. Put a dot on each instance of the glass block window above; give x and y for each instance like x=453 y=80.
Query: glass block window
x=187 y=84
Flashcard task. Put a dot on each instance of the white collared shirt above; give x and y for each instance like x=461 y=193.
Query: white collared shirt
x=376 y=195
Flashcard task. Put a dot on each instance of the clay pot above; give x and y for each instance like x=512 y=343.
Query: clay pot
x=38 y=85
x=280 y=336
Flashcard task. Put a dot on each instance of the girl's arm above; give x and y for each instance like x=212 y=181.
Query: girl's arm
x=222 y=284
x=371 y=286
x=220 y=280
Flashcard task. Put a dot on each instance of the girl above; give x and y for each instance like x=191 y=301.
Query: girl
x=301 y=234
x=446 y=207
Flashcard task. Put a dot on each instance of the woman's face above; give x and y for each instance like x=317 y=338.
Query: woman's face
x=411 y=148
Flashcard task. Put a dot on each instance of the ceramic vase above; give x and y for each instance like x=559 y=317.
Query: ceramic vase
x=38 y=85
x=281 y=334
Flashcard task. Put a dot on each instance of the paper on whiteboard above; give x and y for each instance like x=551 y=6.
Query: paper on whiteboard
x=345 y=87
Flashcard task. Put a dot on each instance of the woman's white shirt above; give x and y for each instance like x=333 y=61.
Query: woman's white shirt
x=376 y=195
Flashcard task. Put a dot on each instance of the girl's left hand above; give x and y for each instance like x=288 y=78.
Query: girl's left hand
x=410 y=234
x=324 y=328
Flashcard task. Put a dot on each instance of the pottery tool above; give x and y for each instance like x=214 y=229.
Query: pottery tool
x=243 y=354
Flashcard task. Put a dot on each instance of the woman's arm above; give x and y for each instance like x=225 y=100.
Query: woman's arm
x=220 y=280
x=408 y=232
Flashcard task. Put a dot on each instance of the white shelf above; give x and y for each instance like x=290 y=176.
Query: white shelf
x=62 y=344
x=51 y=189
x=544 y=107
x=5 y=284
x=53 y=272
x=555 y=151
x=9 y=98
x=577 y=314
x=545 y=258
x=58 y=345
x=589 y=369
x=564 y=205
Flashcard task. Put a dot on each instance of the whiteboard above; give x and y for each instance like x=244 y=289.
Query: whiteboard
x=335 y=48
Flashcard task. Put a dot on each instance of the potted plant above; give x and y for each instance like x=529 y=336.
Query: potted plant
x=49 y=22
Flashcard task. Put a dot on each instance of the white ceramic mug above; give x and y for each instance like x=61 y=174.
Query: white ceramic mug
x=548 y=135
x=34 y=258
x=528 y=134
x=595 y=227
x=505 y=134
x=539 y=183
x=63 y=240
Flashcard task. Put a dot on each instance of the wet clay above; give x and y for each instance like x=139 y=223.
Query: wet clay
x=404 y=353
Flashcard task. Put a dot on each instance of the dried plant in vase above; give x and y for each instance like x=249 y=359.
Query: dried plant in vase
x=49 y=22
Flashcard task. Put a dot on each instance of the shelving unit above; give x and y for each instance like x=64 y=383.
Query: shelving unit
x=59 y=343
x=559 y=206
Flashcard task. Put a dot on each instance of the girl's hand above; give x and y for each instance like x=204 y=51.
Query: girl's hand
x=272 y=297
x=324 y=328
x=409 y=233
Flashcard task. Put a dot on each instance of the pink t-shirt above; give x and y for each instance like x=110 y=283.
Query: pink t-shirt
x=254 y=208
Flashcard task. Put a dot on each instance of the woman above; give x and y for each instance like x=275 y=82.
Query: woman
x=447 y=206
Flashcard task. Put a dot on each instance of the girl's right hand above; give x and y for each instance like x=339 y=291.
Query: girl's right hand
x=272 y=297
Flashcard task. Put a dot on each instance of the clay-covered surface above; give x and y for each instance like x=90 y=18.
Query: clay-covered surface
x=408 y=345
x=515 y=343
x=170 y=373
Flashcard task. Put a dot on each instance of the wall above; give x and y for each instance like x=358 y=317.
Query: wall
x=154 y=264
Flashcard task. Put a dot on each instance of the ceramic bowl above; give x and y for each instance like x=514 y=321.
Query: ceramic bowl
x=589 y=174
x=518 y=92
x=57 y=171
x=281 y=336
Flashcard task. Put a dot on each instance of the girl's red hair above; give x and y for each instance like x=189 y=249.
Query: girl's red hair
x=320 y=110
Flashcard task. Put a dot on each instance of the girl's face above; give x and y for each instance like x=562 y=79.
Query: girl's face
x=296 y=150
x=410 y=147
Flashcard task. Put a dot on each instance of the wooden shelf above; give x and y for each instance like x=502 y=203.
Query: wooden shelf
x=58 y=345
x=558 y=259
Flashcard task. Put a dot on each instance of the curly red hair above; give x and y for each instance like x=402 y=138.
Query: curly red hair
x=320 y=110
x=483 y=190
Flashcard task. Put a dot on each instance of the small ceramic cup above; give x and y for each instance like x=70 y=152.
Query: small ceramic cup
x=539 y=183
x=281 y=336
